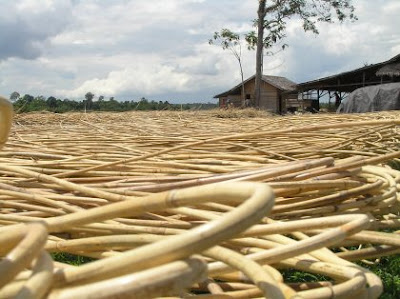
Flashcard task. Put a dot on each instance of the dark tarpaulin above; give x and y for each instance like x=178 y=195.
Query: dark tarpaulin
x=372 y=98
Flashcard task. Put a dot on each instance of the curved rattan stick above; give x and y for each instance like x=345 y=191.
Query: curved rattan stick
x=256 y=273
x=236 y=136
x=41 y=279
x=349 y=225
x=67 y=172
x=259 y=276
x=6 y=113
x=354 y=279
x=369 y=253
x=34 y=237
x=374 y=289
x=259 y=202
x=168 y=279
x=235 y=260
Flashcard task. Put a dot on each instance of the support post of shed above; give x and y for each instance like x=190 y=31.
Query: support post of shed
x=329 y=102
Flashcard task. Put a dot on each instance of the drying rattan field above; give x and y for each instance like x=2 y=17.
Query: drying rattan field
x=199 y=204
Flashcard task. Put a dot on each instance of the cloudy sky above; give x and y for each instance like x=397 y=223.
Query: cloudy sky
x=159 y=49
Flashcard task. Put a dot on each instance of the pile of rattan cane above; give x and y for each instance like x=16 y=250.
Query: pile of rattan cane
x=186 y=204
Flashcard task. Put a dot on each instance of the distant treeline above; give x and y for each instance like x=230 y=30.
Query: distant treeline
x=28 y=103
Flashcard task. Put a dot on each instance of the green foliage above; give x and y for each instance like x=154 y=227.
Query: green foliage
x=227 y=39
x=388 y=269
x=89 y=96
x=70 y=259
x=230 y=40
x=311 y=12
x=15 y=96
x=294 y=276
x=29 y=103
x=28 y=98
x=89 y=101
x=395 y=164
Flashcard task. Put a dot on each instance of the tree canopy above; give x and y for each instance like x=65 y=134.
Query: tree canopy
x=230 y=40
x=273 y=16
x=29 y=103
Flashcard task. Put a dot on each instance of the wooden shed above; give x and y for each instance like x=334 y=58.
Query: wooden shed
x=275 y=91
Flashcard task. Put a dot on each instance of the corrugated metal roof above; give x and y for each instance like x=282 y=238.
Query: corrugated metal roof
x=278 y=82
x=281 y=83
x=327 y=80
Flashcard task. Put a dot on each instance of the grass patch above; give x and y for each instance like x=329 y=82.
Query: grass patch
x=388 y=269
x=70 y=259
x=296 y=276
x=395 y=164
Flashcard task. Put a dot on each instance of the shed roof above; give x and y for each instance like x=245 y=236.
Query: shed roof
x=351 y=80
x=391 y=70
x=281 y=83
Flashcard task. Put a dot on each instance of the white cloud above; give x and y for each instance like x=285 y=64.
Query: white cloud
x=137 y=79
x=148 y=75
x=391 y=7
x=340 y=47
x=27 y=25
x=134 y=48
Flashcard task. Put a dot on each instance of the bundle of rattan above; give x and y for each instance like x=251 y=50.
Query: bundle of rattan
x=177 y=214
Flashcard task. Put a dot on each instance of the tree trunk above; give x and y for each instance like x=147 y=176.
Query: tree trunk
x=242 y=102
x=259 y=52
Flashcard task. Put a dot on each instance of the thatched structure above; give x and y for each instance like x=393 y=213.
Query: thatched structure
x=391 y=70
x=275 y=90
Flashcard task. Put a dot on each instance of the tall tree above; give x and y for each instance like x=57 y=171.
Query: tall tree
x=229 y=40
x=51 y=102
x=272 y=20
x=28 y=98
x=89 y=100
x=261 y=13
x=15 y=96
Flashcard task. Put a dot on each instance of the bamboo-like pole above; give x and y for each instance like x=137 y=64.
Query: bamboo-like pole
x=6 y=113
x=169 y=279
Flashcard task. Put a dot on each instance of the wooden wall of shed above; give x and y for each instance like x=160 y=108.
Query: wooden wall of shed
x=269 y=95
x=269 y=98
x=222 y=102
x=235 y=100
x=249 y=89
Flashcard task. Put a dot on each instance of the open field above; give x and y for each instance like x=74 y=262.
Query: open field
x=253 y=194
